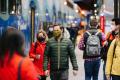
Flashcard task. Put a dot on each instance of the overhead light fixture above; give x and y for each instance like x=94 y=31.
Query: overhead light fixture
x=65 y=3
x=82 y=12
x=76 y=10
x=95 y=5
x=95 y=14
x=95 y=11
x=13 y=12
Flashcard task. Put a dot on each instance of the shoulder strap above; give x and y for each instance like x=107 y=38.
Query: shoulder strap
x=19 y=70
x=114 y=48
x=97 y=33
x=88 y=33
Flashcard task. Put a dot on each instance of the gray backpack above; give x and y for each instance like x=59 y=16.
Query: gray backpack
x=93 y=46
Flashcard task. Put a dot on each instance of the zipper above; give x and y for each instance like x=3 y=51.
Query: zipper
x=58 y=54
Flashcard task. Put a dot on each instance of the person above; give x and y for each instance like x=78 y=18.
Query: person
x=50 y=31
x=58 y=51
x=112 y=69
x=109 y=38
x=37 y=53
x=14 y=64
x=91 y=43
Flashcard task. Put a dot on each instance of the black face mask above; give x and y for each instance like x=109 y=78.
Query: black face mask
x=41 y=39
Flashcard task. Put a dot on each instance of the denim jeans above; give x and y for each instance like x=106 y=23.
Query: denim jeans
x=92 y=69
x=59 y=75
x=104 y=76
x=114 y=77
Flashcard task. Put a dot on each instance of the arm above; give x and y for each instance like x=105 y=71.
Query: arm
x=81 y=44
x=31 y=52
x=46 y=60
x=103 y=37
x=110 y=58
x=72 y=55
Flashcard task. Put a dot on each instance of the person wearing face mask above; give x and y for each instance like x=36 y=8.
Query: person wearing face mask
x=58 y=51
x=109 y=38
x=37 y=53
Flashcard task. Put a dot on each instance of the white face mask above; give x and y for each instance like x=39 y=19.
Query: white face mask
x=50 y=29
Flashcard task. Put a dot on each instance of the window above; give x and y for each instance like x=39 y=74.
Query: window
x=2 y=6
x=15 y=6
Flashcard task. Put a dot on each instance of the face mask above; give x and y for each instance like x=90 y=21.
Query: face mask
x=57 y=33
x=41 y=39
x=50 y=29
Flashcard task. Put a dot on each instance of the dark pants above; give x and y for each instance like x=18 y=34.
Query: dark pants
x=59 y=75
x=114 y=77
x=104 y=76
x=42 y=78
x=91 y=69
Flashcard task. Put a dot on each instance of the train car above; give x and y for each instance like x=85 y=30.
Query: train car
x=21 y=15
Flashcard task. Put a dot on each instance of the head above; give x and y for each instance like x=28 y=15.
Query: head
x=94 y=22
x=12 y=41
x=115 y=24
x=57 y=31
x=41 y=36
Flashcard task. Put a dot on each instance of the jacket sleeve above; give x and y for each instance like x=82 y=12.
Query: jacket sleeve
x=103 y=36
x=46 y=57
x=81 y=44
x=72 y=55
x=110 y=58
x=31 y=52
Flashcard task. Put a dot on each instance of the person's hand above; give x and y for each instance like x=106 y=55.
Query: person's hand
x=75 y=72
x=105 y=43
x=37 y=56
x=47 y=73
x=108 y=77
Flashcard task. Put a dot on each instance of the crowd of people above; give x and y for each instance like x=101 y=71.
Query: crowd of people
x=50 y=54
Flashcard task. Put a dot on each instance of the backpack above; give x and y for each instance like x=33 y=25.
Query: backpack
x=93 y=46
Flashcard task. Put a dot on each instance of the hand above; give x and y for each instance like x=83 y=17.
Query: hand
x=108 y=77
x=105 y=43
x=75 y=72
x=37 y=56
x=47 y=73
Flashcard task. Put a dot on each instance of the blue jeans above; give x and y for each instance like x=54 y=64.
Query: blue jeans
x=91 y=69
x=104 y=76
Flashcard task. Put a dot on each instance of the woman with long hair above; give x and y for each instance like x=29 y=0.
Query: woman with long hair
x=14 y=65
x=37 y=53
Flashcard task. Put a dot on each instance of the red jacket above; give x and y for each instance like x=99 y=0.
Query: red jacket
x=9 y=68
x=38 y=48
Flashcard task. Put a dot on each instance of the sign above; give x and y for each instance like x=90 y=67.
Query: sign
x=102 y=23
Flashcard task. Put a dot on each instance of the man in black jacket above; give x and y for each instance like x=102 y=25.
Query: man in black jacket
x=58 y=51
